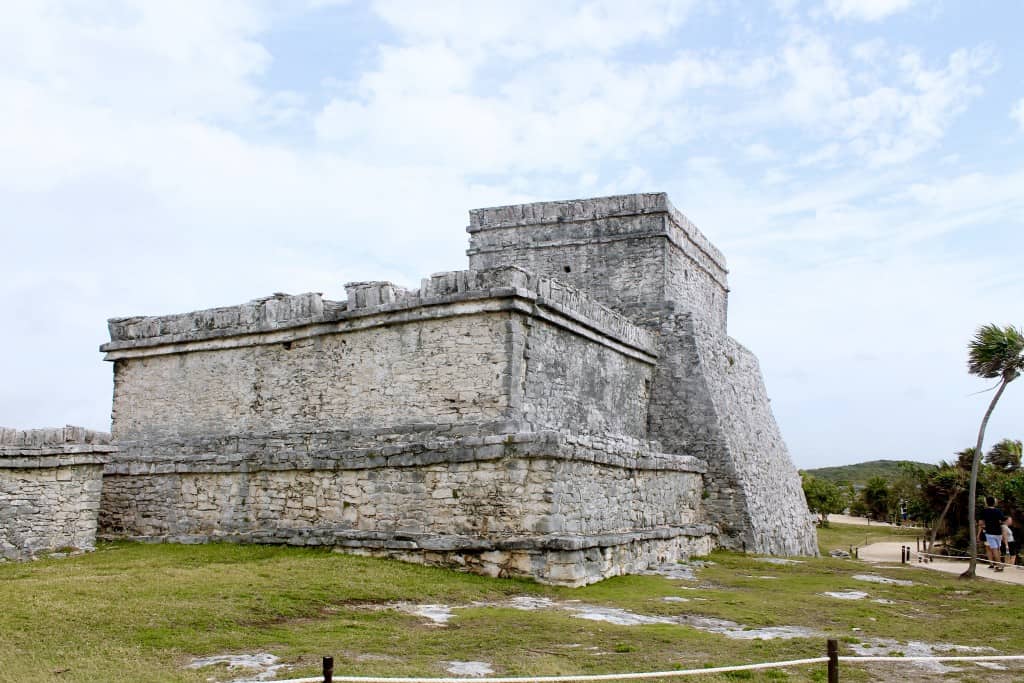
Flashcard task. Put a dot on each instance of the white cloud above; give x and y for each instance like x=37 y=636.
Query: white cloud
x=886 y=118
x=870 y=51
x=141 y=58
x=1017 y=112
x=560 y=116
x=759 y=151
x=818 y=81
x=529 y=28
x=866 y=10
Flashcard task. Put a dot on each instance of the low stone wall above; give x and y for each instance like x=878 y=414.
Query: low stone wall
x=50 y=482
x=562 y=509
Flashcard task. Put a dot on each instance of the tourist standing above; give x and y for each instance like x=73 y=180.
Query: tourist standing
x=1010 y=543
x=991 y=524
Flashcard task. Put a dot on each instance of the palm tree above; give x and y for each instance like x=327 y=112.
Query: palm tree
x=995 y=352
x=1005 y=455
x=950 y=480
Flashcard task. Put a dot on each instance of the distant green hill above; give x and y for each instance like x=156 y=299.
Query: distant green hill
x=859 y=473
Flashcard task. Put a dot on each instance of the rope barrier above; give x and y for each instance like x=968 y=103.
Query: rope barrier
x=938 y=658
x=564 y=679
x=850 y=659
x=962 y=558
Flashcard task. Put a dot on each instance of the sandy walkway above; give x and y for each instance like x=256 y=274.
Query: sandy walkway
x=864 y=521
x=889 y=553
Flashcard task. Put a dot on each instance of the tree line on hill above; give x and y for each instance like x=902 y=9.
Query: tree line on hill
x=932 y=496
x=994 y=352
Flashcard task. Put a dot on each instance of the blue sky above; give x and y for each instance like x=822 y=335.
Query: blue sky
x=861 y=164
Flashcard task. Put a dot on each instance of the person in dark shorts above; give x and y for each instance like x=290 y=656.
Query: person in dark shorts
x=991 y=524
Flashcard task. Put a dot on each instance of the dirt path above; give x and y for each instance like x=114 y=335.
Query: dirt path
x=864 y=521
x=889 y=553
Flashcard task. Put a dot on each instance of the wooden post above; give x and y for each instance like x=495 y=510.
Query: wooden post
x=328 y=669
x=833 y=660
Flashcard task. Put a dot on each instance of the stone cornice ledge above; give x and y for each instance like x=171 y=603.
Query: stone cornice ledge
x=49 y=459
x=528 y=445
x=383 y=540
x=381 y=303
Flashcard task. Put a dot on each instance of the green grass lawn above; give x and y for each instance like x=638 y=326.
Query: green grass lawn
x=142 y=612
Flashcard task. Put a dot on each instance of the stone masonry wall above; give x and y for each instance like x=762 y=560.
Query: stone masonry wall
x=639 y=255
x=515 y=489
x=512 y=497
x=478 y=418
x=50 y=482
x=473 y=366
x=631 y=252
x=711 y=401
x=581 y=387
x=776 y=512
x=613 y=269
x=442 y=371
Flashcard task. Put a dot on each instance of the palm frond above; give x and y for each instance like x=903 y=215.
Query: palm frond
x=996 y=352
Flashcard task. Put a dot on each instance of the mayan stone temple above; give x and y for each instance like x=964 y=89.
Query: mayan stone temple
x=569 y=408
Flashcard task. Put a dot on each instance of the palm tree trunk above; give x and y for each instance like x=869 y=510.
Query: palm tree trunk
x=949 y=503
x=973 y=495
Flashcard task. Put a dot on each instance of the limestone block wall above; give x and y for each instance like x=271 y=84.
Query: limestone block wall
x=776 y=510
x=574 y=385
x=523 y=484
x=468 y=348
x=519 y=504
x=445 y=371
x=50 y=481
x=631 y=252
x=490 y=419
x=639 y=255
x=711 y=400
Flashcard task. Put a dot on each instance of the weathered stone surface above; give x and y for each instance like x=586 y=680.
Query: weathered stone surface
x=640 y=256
x=50 y=483
x=569 y=409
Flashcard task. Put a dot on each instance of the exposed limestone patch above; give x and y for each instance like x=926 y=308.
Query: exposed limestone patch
x=442 y=614
x=876 y=578
x=257 y=667
x=778 y=560
x=613 y=615
x=468 y=668
x=846 y=595
x=916 y=648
